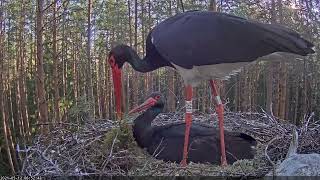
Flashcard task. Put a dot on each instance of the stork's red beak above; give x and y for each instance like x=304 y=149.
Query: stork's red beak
x=117 y=84
x=146 y=105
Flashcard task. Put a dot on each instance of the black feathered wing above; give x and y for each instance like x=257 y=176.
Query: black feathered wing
x=176 y=130
x=204 y=38
x=204 y=144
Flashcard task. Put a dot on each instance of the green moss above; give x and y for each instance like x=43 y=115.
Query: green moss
x=124 y=138
x=4 y=168
x=81 y=111
x=242 y=167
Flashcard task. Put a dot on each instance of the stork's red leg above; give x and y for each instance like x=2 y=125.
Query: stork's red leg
x=219 y=110
x=188 y=120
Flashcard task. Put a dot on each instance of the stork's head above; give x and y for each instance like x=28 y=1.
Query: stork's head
x=154 y=100
x=117 y=57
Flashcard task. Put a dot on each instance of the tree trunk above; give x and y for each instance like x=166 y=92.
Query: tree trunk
x=107 y=90
x=170 y=76
x=130 y=23
x=276 y=87
x=43 y=107
x=100 y=83
x=5 y=133
x=242 y=89
x=237 y=93
x=7 y=112
x=213 y=5
x=304 y=90
x=55 y=65
x=296 y=102
x=2 y=99
x=143 y=37
x=245 y=93
x=150 y=74
x=22 y=79
x=20 y=134
x=283 y=90
x=10 y=138
x=135 y=78
x=283 y=74
x=205 y=97
x=270 y=71
x=89 y=87
x=63 y=57
x=142 y=27
x=75 y=73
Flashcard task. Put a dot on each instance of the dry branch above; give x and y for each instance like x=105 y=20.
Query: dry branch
x=75 y=149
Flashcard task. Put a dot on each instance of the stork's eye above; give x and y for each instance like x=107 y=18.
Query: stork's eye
x=157 y=97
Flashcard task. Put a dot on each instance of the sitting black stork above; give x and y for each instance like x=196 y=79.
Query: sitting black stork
x=166 y=142
x=204 y=45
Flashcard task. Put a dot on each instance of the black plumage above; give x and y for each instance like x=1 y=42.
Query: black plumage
x=198 y=38
x=202 y=46
x=214 y=38
x=166 y=142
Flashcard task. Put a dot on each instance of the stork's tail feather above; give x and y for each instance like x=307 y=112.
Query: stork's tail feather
x=246 y=146
x=249 y=139
x=286 y=40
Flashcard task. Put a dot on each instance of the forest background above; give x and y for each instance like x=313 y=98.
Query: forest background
x=53 y=64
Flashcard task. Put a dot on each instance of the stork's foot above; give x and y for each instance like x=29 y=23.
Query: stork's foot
x=183 y=163
x=224 y=163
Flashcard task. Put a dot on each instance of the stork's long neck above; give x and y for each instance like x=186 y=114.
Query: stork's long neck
x=142 y=65
x=142 y=126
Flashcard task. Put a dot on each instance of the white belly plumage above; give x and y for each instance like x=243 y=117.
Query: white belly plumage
x=223 y=71
x=207 y=72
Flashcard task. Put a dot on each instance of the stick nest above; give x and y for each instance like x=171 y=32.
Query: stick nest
x=103 y=147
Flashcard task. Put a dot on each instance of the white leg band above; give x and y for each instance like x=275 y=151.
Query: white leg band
x=188 y=106
x=218 y=100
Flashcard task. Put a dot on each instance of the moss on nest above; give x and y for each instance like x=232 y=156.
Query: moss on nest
x=120 y=137
x=104 y=147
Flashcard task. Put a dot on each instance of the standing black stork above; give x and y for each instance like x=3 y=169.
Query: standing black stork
x=166 y=142
x=204 y=45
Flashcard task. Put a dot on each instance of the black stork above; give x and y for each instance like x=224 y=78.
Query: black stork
x=166 y=142
x=204 y=45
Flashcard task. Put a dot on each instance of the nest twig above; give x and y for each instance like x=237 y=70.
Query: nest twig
x=80 y=149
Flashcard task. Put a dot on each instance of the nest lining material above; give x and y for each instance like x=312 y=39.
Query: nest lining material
x=100 y=147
